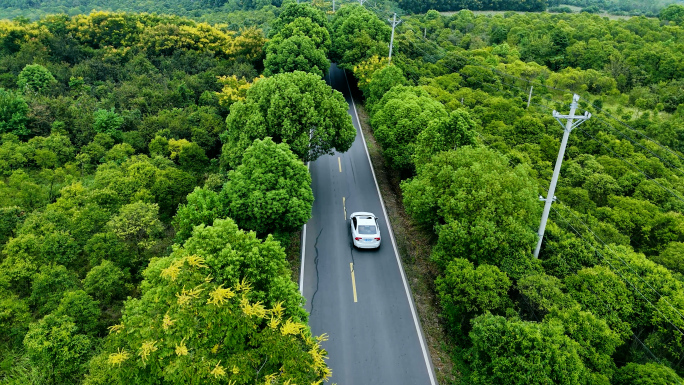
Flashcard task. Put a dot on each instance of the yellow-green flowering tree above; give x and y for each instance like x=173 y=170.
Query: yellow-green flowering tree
x=191 y=327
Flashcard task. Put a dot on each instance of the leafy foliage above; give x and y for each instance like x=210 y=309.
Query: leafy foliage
x=295 y=53
x=485 y=209
x=35 y=77
x=270 y=192
x=213 y=332
x=398 y=119
x=357 y=35
x=295 y=107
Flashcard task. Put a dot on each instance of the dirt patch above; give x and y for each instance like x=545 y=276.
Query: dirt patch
x=414 y=246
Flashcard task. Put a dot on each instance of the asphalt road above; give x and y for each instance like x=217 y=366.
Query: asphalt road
x=358 y=297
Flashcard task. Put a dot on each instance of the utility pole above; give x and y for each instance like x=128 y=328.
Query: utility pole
x=362 y=1
x=572 y=122
x=394 y=23
x=529 y=98
x=333 y=6
x=425 y=34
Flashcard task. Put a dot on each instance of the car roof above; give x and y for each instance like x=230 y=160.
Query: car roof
x=366 y=221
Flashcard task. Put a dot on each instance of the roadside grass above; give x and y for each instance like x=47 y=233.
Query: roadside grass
x=293 y=252
x=414 y=245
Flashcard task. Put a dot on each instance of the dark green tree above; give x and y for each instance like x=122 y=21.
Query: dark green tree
x=297 y=108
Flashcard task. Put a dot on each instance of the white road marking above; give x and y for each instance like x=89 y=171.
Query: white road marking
x=303 y=241
x=428 y=362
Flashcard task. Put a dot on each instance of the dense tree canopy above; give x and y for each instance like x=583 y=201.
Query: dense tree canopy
x=297 y=108
x=358 y=35
x=209 y=312
x=108 y=122
x=399 y=117
x=270 y=191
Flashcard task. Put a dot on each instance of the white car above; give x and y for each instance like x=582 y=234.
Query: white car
x=365 y=231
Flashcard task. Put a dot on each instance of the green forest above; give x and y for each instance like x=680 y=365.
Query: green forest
x=153 y=179
x=239 y=13
x=604 y=302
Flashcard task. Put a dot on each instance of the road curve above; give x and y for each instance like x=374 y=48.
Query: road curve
x=359 y=298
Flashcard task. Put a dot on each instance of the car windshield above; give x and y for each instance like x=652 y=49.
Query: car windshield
x=367 y=229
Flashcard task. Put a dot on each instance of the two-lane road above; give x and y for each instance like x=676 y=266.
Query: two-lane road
x=359 y=297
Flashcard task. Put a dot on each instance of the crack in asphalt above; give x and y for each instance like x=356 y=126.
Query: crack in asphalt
x=315 y=264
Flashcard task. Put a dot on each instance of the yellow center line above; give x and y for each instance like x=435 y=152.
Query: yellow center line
x=339 y=163
x=344 y=205
x=351 y=267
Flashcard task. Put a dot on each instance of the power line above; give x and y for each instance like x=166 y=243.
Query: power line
x=626 y=265
x=599 y=297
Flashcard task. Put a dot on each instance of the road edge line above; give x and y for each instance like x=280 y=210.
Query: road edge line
x=303 y=258
x=416 y=322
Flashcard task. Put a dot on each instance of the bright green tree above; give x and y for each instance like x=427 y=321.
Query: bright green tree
x=358 y=34
x=465 y=291
x=291 y=12
x=443 y=134
x=13 y=111
x=82 y=308
x=296 y=107
x=295 y=53
x=646 y=374
x=138 y=225
x=672 y=257
x=398 y=118
x=270 y=191
x=48 y=286
x=57 y=349
x=304 y=26
x=485 y=210
x=35 y=77
x=523 y=353
x=203 y=207
x=108 y=122
x=382 y=81
x=597 y=341
x=599 y=290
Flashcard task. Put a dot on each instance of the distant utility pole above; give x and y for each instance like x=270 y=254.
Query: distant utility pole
x=333 y=6
x=572 y=122
x=362 y=1
x=529 y=98
x=394 y=23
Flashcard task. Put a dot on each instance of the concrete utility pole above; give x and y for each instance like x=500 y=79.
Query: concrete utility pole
x=333 y=6
x=529 y=98
x=569 y=126
x=362 y=1
x=394 y=23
